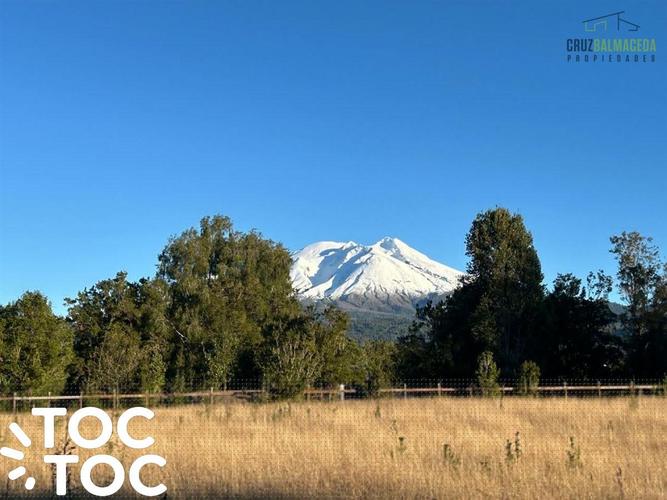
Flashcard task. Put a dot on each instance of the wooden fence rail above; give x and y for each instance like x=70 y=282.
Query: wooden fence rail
x=339 y=393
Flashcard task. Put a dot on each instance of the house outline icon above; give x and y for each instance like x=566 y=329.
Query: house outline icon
x=593 y=24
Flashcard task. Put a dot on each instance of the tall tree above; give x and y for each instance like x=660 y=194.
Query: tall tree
x=642 y=280
x=106 y=337
x=35 y=346
x=495 y=307
x=504 y=265
x=157 y=335
x=224 y=285
x=121 y=335
x=575 y=331
x=639 y=275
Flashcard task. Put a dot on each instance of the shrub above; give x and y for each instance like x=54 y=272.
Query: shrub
x=573 y=455
x=513 y=450
x=450 y=458
x=529 y=378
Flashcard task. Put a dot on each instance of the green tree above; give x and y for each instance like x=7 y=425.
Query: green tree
x=117 y=359
x=156 y=334
x=309 y=348
x=121 y=335
x=598 y=286
x=495 y=309
x=379 y=365
x=639 y=275
x=642 y=278
x=504 y=265
x=529 y=378
x=575 y=331
x=340 y=357
x=415 y=357
x=35 y=347
x=654 y=347
x=290 y=361
x=153 y=367
x=224 y=287
x=487 y=374
x=107 y=309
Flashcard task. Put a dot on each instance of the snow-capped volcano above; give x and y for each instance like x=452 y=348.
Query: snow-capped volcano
x=388 y=276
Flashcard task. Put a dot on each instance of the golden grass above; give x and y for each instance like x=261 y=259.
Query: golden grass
x=354 y=449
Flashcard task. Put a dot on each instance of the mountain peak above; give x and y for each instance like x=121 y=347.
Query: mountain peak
x=387 y=276
x=389 y=243
x=389 y=239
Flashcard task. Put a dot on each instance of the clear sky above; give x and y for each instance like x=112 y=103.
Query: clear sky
x=122 y=123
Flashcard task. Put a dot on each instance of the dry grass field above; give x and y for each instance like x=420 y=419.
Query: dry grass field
x=393 y=449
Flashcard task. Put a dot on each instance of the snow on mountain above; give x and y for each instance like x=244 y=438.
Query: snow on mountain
x=388 y=276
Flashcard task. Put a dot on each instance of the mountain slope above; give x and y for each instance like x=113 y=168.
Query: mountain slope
x=388 y=276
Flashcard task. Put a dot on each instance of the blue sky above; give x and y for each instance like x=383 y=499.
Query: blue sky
x=122 y=123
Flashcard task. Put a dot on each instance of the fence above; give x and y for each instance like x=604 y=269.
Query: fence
x=459 y=389
x=471 y=390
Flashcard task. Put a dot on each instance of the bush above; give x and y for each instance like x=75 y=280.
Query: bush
x=529 y=378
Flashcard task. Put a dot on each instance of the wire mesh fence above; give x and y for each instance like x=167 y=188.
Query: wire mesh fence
x=255 y=390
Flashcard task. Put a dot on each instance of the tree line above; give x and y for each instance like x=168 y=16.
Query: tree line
x=221 y=307
x=502 y=316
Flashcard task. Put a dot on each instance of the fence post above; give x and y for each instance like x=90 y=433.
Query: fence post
x=405 y=391
x=599 y=390
x=114 y=398
x=565 y=389
x=48 y=401
x=14 y=404
x=470 y=390
x=439 y=389
x=81 y=399
x=341 y=388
